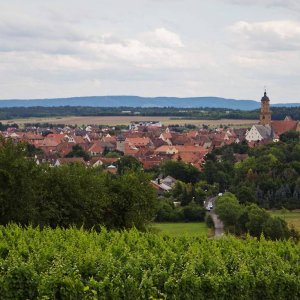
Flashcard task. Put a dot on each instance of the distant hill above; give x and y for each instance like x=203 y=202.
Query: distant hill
x=135 y=101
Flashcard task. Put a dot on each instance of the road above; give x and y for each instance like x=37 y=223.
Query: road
x=218 y=224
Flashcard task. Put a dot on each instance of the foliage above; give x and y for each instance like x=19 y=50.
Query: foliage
x=76 y=264
x=77 y=151
x=132 y=201
x=240 y=219
x=290 y=136
x=269 y=176
x=209 y=221
x=181 y=171
x=128 y=163
x=4 y=127
x=167 y=212
x=228 y=209
x=32 y=151
x=70 y=194
x=193 y=213
x=114 y=154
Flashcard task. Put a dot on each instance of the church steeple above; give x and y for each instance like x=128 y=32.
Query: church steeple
x=265 y=113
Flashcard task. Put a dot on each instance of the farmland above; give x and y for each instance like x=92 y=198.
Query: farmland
x=125 y=120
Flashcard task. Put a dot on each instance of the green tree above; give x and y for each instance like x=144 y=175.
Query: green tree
x=290 y=136
x=245 y=194
x=19 y=183
x=276 y=228
x=194 y=213
x=181 y=171
x=133 y=201
x=73 y=194
x=228 y=210
x=256 y=219
x=77 y=151
x=128 y=163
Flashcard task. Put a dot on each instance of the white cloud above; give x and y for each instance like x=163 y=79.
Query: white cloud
x=148 y=47
x=162 y=37
x=66 y=46
x=290 y=4
x=267 y=36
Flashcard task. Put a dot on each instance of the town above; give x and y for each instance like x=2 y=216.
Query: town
x=148 y=141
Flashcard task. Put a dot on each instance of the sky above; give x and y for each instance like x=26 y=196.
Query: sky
x=183 y=48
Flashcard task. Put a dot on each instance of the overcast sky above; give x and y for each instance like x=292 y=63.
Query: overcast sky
x=226 y=48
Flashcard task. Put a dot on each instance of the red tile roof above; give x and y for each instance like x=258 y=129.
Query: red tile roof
x=139 y=142
x=280 y=127
x=96 y=148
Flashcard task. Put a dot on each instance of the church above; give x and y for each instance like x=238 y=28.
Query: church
x=268 y=130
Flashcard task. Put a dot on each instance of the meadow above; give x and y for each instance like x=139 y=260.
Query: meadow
x=180 y=229
x=291 y=217
x=125 y=120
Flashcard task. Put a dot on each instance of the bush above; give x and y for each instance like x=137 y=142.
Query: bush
x=194 y=213
x=167 y=212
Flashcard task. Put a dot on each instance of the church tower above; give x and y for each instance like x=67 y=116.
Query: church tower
x=265 y=113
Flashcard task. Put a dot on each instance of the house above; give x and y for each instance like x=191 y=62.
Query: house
x=138 y=142
x=64 y=148
x=136 y=125
x=96 y=149
x=97 y=161
x=130 y=149
x=166 y=150
x=163 y=185
x=151 y=161
x=259 y=133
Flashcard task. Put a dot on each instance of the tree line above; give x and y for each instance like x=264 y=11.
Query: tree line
x=278 y=113
x=240 y=219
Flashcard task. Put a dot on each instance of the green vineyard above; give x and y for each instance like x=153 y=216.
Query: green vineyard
x=78 y=264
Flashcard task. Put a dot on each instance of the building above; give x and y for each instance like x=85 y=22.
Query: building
x=262 y=131
x=135 y=125
x=259 y=132
x=265 y=113
x=268 y=130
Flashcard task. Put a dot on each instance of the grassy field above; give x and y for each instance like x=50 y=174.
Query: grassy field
x=125 y=120
x=180 y=229
x=292 y=217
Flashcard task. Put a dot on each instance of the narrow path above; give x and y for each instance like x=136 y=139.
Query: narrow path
x=218 y=224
